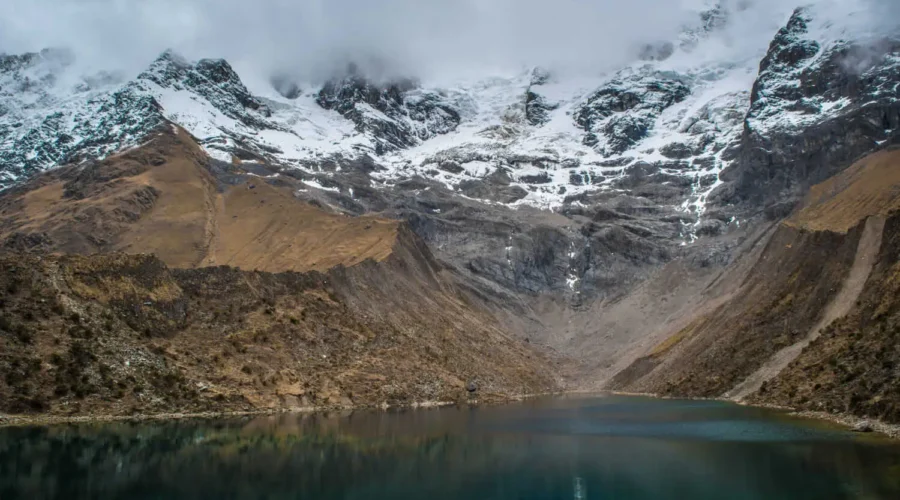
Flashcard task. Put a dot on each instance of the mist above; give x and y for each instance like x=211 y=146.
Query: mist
x=311 y=39
x=423 y=38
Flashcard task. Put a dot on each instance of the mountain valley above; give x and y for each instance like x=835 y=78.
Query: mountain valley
x=715 y=219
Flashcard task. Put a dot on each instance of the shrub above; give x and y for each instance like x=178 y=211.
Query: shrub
x=24 y=335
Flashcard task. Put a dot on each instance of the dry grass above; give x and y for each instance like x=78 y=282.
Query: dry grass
x=267 y=228
x=160 y=199
x=119 y=334
x=869 y=187
x=667 y=345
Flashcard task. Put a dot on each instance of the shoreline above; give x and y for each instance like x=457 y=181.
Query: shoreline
x=891 y=431
x=48 y=420
x=842 y=419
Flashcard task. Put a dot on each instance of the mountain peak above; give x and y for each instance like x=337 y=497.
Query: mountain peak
x=214 y=80
x=386 y=111
x=57 y=57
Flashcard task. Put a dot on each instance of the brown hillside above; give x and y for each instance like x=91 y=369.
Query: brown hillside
x=263 y=227
x=813 y=276
x=854 y=366
x=161 y=199
x=252 y=300
x=120 y=334
x=869 y=187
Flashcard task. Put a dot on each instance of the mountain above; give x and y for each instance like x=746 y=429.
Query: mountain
x=826 y=94
x=592 y=218
x=807 y=320
x=253 y=299
x=395 y=115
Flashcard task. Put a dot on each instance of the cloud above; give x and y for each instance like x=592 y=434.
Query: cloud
x=311 y=36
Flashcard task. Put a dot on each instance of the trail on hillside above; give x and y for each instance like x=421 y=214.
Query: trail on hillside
x=840 y=305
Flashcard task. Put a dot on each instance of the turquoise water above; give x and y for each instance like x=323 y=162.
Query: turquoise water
x=555 y=448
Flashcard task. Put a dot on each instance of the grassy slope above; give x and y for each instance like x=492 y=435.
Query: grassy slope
x=162 y=199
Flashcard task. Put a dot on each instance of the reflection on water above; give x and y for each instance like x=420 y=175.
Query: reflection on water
x=559 y=448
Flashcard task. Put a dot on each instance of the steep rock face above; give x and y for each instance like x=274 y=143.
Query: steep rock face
x=622 y=112
x=213 y=80
x=538 y=107
x=397 y=115
x=821 y=101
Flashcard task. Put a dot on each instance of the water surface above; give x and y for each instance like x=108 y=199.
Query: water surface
x=556 y=448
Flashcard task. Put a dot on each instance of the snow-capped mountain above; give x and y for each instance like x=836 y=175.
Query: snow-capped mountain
x=827 y=93
x=47 y=118
x=395 y=115
x=702 y=117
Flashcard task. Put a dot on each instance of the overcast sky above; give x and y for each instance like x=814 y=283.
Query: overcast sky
x=308 y=37
x=424 y=35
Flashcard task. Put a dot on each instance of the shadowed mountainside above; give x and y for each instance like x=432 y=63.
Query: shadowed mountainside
x=813 y=325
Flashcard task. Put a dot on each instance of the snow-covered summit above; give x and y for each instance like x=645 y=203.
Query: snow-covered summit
x=395 y=115
x=678 y=115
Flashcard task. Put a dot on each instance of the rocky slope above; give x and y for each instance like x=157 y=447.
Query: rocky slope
x=851 y=366
x=811 y=326
x=315 y=309
x=118 y=335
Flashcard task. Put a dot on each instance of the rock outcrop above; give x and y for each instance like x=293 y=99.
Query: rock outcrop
x=396 y=115
x=817 y=106
x=622 y=112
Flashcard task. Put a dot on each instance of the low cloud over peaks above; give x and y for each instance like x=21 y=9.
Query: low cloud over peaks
x=312 y=37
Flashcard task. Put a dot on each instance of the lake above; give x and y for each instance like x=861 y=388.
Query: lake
x=575 y=447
